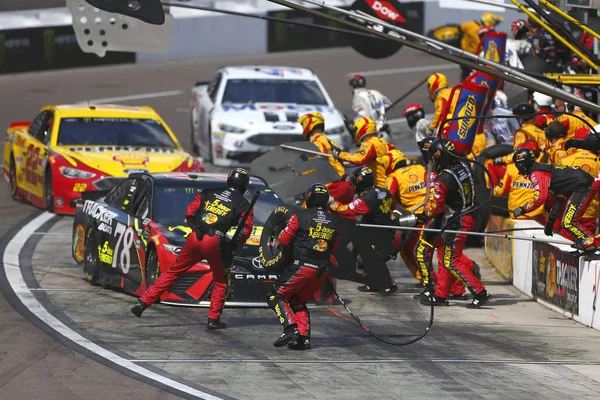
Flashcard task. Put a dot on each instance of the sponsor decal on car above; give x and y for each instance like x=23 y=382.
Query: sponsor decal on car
x=284 y=127
x=252 y=277
x=385 y=10
x=105 y=228
x=275 y=107
x=131 y=159
x=98 y=212
x=105 y=254
x=78 y=243
x=135 y=171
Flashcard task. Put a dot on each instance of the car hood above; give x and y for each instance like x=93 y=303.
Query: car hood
x=281 y=117
x=125 y=162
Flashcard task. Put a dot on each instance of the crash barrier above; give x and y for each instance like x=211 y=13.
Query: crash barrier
x=32 y=41
x=548 y=273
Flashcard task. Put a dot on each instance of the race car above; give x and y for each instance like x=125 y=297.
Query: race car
x=247 y=110
x=127 y=237
x=69 y=149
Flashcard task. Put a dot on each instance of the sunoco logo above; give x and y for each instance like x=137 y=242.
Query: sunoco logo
x=467 y=112
x=385 y=10
x=492 y=52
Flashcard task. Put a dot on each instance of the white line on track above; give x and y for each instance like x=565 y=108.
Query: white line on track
x=15 y=279
x=58 y=290
x=154 y=95
x=391 y=361
x=381 y=72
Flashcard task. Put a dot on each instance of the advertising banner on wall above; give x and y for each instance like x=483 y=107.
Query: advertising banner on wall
x=555 y=277
x=38 y=49
x=499 y=250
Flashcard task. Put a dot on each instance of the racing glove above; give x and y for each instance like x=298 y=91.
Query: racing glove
x=548 y=229
x=518 y=212
x=335 y=152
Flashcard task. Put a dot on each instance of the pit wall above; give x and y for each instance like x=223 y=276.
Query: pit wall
x=547 y=273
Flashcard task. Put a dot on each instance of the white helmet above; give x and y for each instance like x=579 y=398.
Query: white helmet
x=541 y=100
x=501 y=99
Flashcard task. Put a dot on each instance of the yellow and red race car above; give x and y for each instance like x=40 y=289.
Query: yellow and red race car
x=69 y=149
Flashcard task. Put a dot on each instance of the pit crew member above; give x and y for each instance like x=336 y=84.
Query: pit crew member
x=439 y=94
x=211 y=214
x=542 y=103
x=470 y=35
x=415 y=118
x=556 y=137
x=314 y=234
x=369 y=103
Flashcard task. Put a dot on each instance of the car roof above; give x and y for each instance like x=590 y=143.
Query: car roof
x=104 y=111
x=268 y=72
x=166 y=178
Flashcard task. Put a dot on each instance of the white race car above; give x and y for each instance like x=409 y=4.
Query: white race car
x=247 y=110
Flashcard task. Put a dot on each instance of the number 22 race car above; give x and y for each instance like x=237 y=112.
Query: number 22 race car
x=126 y=239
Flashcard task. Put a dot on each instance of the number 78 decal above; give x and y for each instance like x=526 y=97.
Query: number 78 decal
x=123 y=254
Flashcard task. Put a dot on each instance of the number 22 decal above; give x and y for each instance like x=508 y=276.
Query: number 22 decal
x=123 y=254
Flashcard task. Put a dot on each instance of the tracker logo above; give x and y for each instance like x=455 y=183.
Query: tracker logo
x=385 y=10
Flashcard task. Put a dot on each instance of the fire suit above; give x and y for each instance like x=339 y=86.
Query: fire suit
x=502 y=129
x=520 y=192
x=545 y=119
x=479 y=145
x=314 y=235
x=469 y=41
x=443 y=108
x=556 y=151
x=572 y=123
x=527 y=131
x=453 y=189
x=370 y=150
x=375 y=205
x=543 y=45
x=569 y=183
x=211 y=214
x=342 y=189
x=372 y=104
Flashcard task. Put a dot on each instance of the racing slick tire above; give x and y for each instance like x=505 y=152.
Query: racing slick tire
x=48 y=191
x=152 y=267
x=273 y=257
x=12 y=179
x=91 y=264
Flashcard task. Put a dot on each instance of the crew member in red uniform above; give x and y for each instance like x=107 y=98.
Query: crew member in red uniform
x=314 y=234
x=453 y=188
x=374 y=205
x=211 y=214
x=569 y=183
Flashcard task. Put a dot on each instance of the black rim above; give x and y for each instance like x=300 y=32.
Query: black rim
x=48 y=190
x=152 y=269
x=12 y=181
x=90 y=261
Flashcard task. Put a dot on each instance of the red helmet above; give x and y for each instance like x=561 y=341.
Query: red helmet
x=531 y=145
x=413 y=113
x=519 y=27
x=358 y=81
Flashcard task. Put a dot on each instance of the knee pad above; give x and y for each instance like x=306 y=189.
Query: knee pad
x=299 y=307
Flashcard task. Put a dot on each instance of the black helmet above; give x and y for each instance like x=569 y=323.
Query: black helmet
x=442 y=152
x=555 y=130
x=357 y=81
x=413 y=113
x=238 y=179
x=524 y=159
x=424 y=147
x=362 y=179
x=523 y=109
x=317 y=196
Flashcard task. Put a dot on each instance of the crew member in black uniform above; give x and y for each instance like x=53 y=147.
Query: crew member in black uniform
x=375 y=206
x=314 y=234
x=211 y=214
x=564 y=182
x=453 y=189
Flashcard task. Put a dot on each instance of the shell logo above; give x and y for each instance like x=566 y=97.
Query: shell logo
x=131 y=159
x=413 y=178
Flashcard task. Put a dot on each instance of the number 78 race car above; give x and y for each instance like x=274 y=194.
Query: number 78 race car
x=245 y=111
x=127 y=238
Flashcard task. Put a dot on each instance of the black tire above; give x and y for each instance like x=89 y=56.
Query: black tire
x=152 y=267
x=12 y=179
x=209 y=156
x=272 y=257
x=91 y=264
x=48 y=192
x=195 y=147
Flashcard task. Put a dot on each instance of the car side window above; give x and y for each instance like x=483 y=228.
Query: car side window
x=139 y=201
x=213 y=88
x=41 y=126
x=117 y=197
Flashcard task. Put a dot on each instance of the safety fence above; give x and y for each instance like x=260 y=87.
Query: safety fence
x=548 y=273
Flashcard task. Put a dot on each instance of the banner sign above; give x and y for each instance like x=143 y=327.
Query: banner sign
x=555 y=277
x=499 y=250
x=38 y=49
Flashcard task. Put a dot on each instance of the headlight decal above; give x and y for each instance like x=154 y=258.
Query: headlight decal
x=75 y=173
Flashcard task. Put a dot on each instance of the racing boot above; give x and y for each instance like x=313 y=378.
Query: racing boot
x=390 y=290
x=215 y=324
x=429 y=288
x=301 y=343
x=480 y=299
x=139 y=308
x=458 y=296
x=437 y=301
x=289 y=333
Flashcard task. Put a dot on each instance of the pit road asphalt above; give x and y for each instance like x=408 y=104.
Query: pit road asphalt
x=524 y=350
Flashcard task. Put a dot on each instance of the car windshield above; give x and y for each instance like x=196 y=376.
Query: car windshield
x=113 y=132
x=244 y=91
x=171 y=202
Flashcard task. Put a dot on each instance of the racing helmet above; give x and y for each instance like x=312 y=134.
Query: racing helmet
x=392 y=160
x=519 y=28
x=436 y=82
x=317 y=196
x=362 y=127
x=491 y=19
x=523 y=111
x=357 y=81
x=424 y=147
x=238 y=179
x=531 y=145
x=541 y=100
x=413 y=113
x=362 y=179
x=555 y=130
x=442 y=152
x=524 y=159
x=310 y=122
x=500 y=100
x=483 y=30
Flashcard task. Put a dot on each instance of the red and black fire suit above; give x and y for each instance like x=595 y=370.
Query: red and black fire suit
x=211 y=214
x=314 y=233
x=375 y=205
x=453 y=188
x=568 y=183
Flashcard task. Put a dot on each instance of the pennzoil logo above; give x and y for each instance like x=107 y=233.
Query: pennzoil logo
x=467 y=112
x=131 y=159
x=492 y=52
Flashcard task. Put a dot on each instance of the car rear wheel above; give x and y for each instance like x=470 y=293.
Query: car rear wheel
x=91 y=264
x=49 y=191
x=152 y=267
x=12 y=179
